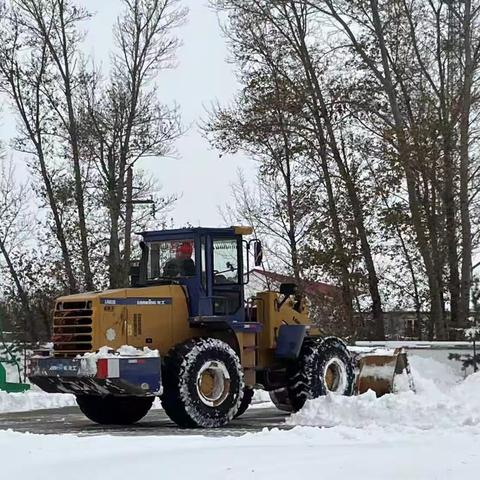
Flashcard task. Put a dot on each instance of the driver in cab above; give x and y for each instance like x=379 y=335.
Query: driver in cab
x=182 y=265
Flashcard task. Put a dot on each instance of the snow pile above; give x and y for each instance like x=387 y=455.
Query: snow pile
x=441 y=402
x=34 y=400
x=12 y=372
x=89 y=359
x=123 y=351
x=380 y=351
x=472 y=333
x=128 y=351
x=261 y=397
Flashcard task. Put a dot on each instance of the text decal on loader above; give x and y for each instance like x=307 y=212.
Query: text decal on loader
x=136 y=301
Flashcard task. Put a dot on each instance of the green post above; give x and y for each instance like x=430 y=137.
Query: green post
x=10 y=359
x=10 y=387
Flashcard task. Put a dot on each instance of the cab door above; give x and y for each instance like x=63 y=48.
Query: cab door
x=227 y=277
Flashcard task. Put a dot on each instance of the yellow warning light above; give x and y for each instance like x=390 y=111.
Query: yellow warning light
x=243 y=230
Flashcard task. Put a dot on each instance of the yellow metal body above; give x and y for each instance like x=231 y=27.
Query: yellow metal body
x=84 y=323
x=272 y=315
x=114 y=323
x=87 y=322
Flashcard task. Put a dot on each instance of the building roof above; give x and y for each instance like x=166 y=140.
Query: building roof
x=310 y=288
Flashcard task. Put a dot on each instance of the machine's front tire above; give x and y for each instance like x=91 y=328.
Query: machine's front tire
x=203 y=383
x=322 y=367
x=112 y=410
x=246 y=401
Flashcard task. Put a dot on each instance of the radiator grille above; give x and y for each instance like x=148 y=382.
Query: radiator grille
x=72 y=328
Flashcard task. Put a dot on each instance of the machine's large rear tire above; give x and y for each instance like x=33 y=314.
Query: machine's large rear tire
x=246 y=401
x=322 y=367
x=112 y=410
x=203 y=383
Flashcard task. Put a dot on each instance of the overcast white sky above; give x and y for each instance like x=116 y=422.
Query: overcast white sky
x=203 y=75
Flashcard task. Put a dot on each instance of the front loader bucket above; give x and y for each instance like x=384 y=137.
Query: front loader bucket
x=377 y=371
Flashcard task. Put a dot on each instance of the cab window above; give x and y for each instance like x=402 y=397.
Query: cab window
x=171 y=259
x=225 y=261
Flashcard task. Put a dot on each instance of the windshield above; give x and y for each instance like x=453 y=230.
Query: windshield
x=171 y=259
x=225 y=261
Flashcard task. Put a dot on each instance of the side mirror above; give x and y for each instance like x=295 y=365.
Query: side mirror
x=288 y=289
x=258 y=253
x=134 y=274
x=142 y=267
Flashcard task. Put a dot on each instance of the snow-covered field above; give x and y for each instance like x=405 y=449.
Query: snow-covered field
x=303 y=453
x=434 y=434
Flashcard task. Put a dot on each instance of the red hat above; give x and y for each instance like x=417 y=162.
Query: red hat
x=186 y=248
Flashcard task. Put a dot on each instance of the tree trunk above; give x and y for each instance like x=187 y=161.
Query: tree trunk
x=115 y=193
x=347 y=294
x=292 y=227
x=73 y=134
x=448 y=199
x=435 y=294
x=466 y=101
x=59 y=233
x=128 y=225
x=115 y=265
x=287 y=177
x=322 y=112
x=24 y=301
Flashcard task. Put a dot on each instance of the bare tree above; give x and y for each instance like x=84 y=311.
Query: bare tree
x=291 y=21
x=380 y=60
x=15 y=230
x=22 y=79
x=261 y=125
x=124 y=119
x=52 y=25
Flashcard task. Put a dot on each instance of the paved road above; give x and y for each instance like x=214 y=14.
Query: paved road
x=71 y=420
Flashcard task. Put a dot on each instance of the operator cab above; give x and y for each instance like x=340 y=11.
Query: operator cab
x=208 y=262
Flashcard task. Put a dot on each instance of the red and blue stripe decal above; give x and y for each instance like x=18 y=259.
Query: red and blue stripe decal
x=142 y=372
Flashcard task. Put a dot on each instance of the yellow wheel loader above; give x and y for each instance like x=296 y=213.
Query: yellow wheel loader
x=183 y=331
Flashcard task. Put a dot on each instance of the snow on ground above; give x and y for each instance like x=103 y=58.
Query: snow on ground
x=442 y=401
x=261 y=397
x=33 y=400
x=36 y=399
x=433 y=434
x=304 y=452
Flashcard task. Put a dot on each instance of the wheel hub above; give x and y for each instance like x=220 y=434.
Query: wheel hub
x=213 y=383
x=335 y=376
